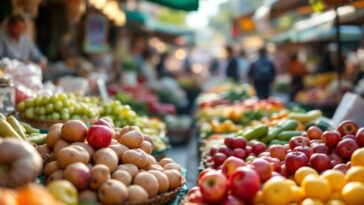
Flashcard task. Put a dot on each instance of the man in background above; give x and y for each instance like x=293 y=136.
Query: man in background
x=232 y=65
x=15 y=45
x=262 y=73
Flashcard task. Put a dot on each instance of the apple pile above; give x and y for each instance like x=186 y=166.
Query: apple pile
x=105 y=165
x=234 y=146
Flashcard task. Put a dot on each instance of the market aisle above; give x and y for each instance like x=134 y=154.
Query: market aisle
x=187 y=156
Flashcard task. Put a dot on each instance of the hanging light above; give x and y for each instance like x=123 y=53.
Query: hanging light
x=111 y=9
x=120 y=19
x=99 y=4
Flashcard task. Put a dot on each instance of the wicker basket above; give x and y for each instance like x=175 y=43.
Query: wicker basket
x=161 y=199
x=46 y=124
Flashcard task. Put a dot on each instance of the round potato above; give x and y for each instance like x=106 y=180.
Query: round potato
x=107 y=157
x=54 y=134
x=148 y=181
x=165 y=161
x=87 y=147
x=99 y=174
x=132 y=139
x=123 y=176
x=135 y=156
x=132 y=169
x=162 y=180
x=147 y=147
x=175 y=179
x=87 y=195
x=174 y=166
x=119 y=149
x=113 y=192
x=50 y=168
x=69 y=155
x=57 y=175
x=137 y=194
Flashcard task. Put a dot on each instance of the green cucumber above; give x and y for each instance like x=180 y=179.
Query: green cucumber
x=29 y=129
x=280 y=142
x=286 y=135
x=256 y=133
x=38 y=139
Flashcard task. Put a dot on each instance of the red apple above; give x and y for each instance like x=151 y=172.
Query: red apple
x=239 y=153
x=104 y=122
x=286 y=146
x=335 y=157
x=193 y=190
x=295 y=160
x=347 y=127
x=275 y=162
x=213 y=186
x=197 y=198
x=248 y=150
x=231 y=164
x=341 y=167
x=349 y=137
x=320 y=162
x=331 y=138
x=320 y=148
x=203 y=172
x=225 y=150
x=244 y=183
x=250 y=158
x=264 y=154
x=263 y=168
x=239 y=142
x=283 y=171
x=258 y=147
x=213 y=151
x=229 y=142
x=314 y=132
x=308 y=151
x=346 y=147
x=231 y=200
x=99 y=136
x=278 y=151
x=219 y=159
x=359 y=137
x=298 y=141
x=312 y=142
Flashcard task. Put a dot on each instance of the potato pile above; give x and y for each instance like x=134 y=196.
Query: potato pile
x=123 y=171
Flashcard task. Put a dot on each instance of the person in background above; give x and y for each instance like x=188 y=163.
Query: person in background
x=232 y=65
x=297 y=71
x=15 y=45
x=161 y=66
x=243 y=67
x=261 y=73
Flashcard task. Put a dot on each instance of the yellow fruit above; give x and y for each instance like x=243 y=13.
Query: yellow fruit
x=258 y=197
x=353 y=193
x=291 y=182
x=297 y=194
x=310 y=201
x=357 y=158
x=277 y=191
x=355 y=174
x=335 y=178
x=335 y=202
x=316 y=187
x=335 y=195
x=302 y=172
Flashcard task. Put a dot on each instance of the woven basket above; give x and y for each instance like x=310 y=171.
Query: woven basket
x=46 y=124
x=161 y=199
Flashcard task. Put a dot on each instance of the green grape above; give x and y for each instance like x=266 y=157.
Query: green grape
x=45 y=100
x=36 y=110
x=53 y=99
x=28 y=103
x=42 y=117
x=42 y=111
x=49 y=117
x=56 y=116
x=38 y=101
x=29 y=113
x=87 y=99
x=116 y=109
x=65 y=116
x=118 y=123
x=58 y=105
x=71 y=109
x=21 y=106
x=49 y=108
x=65 y=110
x=62 y=97
x=75 y=117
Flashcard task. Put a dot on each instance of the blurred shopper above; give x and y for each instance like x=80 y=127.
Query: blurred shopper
x=147 y=70
x=161 y=66
x=214 y=66
x=15 y=45
x=262 y=73
x=297 y=71
x=243 y=67
x=232 y=65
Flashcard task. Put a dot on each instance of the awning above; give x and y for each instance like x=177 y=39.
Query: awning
x=135 y=17
x=186 y=5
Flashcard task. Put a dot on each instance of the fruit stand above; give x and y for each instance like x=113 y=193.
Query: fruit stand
x=262 y=152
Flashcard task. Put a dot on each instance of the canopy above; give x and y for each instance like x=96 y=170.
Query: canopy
x=187 y=5
x=135 y=17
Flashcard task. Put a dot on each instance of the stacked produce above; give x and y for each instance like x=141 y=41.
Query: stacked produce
x=250 y=172
x=103 y=164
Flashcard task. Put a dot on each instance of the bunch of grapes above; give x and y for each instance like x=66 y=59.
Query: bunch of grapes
x=122 y=115
x=63 y=106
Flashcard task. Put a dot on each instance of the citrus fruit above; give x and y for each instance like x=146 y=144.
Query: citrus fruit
x=316 y=187
x=335 y=178
x=355 y=174
x=258 y=197
x=302 y=172
x=297 y=194
x=353 y=193
x=277 y=191
x=357 y=158
x=335 y=195
x=310 y=201
x=335 y=202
